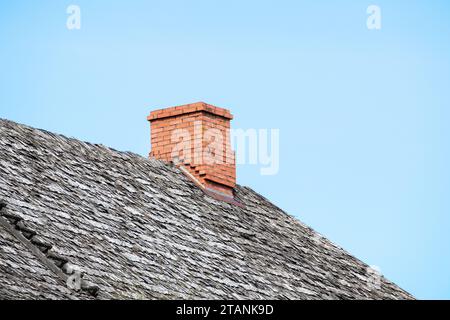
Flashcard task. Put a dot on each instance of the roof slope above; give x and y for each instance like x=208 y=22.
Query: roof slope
x=138 y=228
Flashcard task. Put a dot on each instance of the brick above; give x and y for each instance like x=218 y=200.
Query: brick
x=219 y=176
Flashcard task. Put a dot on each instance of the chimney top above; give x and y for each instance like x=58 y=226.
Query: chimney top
x=196 y=137
x=189 y=108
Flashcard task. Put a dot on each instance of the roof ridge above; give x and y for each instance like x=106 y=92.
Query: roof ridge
x=154 y=162
x=101 y=146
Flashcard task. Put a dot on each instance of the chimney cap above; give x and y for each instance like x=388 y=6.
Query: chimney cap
x=189 y=108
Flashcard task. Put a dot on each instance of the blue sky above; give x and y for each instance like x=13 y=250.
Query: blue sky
x=363 y=114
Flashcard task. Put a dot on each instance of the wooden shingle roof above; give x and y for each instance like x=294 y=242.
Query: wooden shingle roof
x=137 y=228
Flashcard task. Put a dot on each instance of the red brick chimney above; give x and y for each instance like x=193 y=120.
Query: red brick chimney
x=196 y=137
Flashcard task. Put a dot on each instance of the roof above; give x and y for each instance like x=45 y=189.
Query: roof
x=138 y=228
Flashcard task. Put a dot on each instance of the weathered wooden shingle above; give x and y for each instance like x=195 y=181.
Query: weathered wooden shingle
x=139 y=229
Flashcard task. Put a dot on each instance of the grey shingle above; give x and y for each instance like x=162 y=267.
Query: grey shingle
x=139 y=229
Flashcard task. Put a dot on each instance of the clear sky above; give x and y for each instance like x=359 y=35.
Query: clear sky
x=363 y=114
